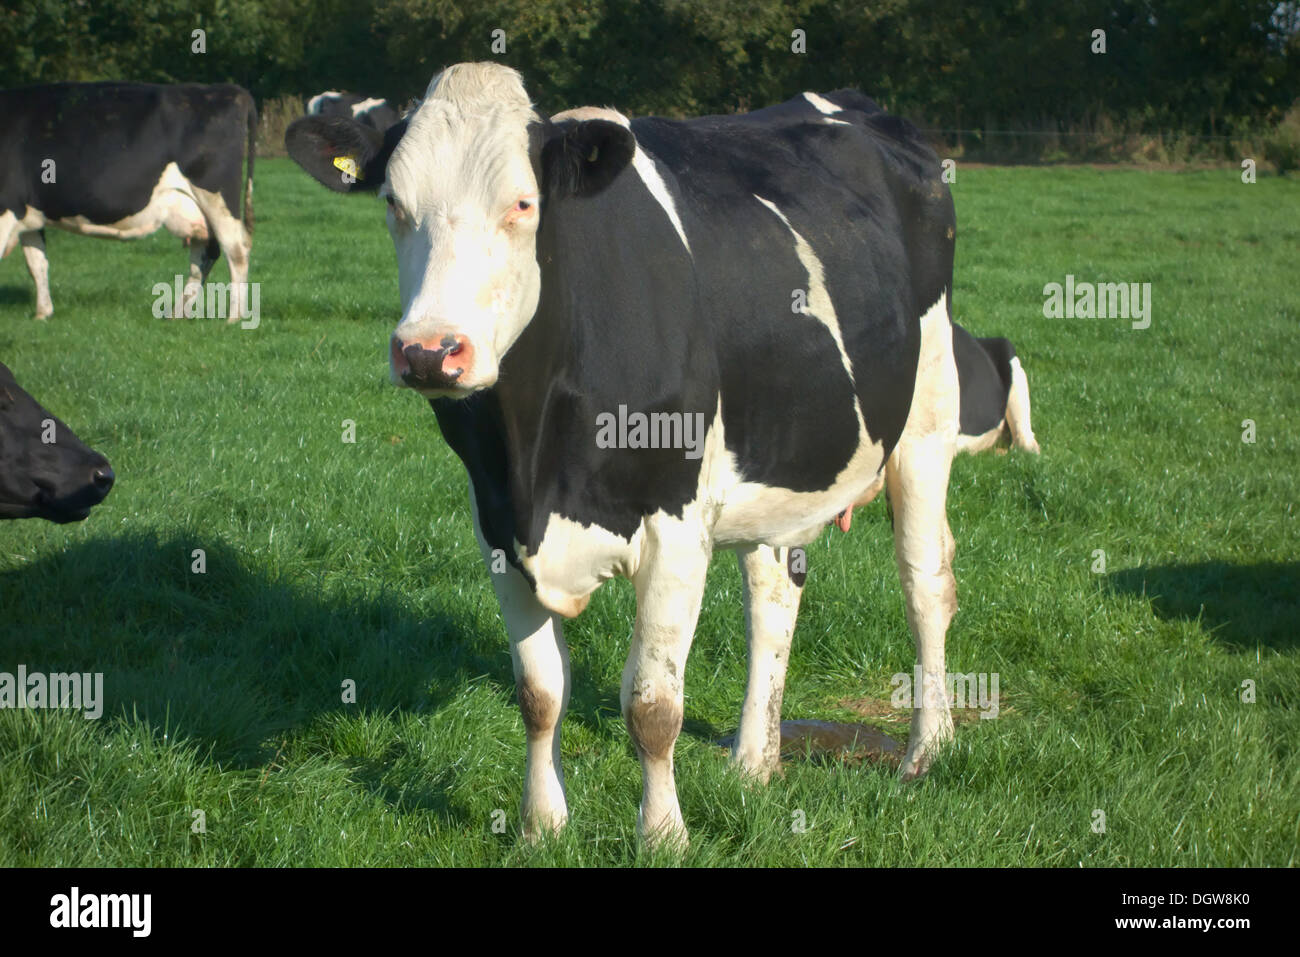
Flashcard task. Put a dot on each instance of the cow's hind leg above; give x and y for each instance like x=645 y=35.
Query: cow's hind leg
x=917 y=478
x=236 y=244
x=1022 y=431
x=203 y=256
x=39 y=266
x=669 y=585
x=541 y=666
x=772 y=592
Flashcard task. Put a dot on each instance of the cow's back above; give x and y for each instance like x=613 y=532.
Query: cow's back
x=110 y=142
x=864 y=195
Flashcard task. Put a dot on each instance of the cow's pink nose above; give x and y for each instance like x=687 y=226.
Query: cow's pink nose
x=431 y=363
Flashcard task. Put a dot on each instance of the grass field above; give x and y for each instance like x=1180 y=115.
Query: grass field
x=1121 y=691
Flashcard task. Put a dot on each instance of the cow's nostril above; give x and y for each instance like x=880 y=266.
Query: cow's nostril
x=103 y=477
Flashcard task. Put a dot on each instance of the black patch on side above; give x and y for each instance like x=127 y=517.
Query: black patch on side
x=1001 y=352
x=983 y=390
x=868 y=199
x=615 y=325
x=111 y=141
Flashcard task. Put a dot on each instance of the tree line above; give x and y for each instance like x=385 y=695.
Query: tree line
x=1205 y=67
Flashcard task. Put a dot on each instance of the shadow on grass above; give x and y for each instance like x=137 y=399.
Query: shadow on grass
x=1242 y=606
x=17 y=296
x=237 y=663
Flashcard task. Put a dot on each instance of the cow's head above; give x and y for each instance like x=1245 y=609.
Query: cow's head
x=45 y=470
x=466 y=178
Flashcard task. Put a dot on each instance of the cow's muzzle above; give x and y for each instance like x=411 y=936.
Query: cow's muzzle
x=427 y=365
x=73 y=502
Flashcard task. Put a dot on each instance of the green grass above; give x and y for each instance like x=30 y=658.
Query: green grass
x=329 y=561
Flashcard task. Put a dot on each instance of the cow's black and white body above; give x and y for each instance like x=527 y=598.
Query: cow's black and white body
x=373 y=111
x=784 y=275
x=994 y=395
x=45 y=470
x=122 y=160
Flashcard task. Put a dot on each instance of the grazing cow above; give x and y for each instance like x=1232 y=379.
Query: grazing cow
x=122 y=160
x=994 y=395
x=45 y=470
x=372 y=111
x=648 y=339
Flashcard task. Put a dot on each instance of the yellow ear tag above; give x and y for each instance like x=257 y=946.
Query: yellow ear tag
x=348 y=164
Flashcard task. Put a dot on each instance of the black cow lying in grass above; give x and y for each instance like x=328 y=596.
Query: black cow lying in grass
x=45 y=470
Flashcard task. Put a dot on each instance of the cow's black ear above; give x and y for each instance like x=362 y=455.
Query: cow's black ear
x=582 y=158
x=345 y=155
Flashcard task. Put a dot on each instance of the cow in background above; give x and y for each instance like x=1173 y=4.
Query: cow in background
x=371 y=111
x=122 y=160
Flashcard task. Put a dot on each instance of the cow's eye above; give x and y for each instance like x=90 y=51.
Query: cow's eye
x=396 y=210
x=523 y=206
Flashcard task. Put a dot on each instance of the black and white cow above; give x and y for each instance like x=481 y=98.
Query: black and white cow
x=45 y=470
x=370 y=110
x=121 y=160
x=994 y=395
x=578 y=293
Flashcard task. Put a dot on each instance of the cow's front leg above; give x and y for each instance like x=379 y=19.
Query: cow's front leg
x=39 y=266
x=669 y=586
x=771 y=608
x=541 y=666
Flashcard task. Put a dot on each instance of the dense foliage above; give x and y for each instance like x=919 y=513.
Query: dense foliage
x=1200 y=66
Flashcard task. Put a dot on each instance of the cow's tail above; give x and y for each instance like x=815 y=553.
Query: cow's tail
x=248 y=176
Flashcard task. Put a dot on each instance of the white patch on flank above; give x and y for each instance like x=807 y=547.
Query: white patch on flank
x=359 y=108
x=642 y=162
x=822 y=104
x=649 y=173
x=819 y=300
x=172 y=203
x=316 y=102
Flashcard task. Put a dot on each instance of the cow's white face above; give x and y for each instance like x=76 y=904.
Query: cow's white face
x=463 y=209
x=460 y=177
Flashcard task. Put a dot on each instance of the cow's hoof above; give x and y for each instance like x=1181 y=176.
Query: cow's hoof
x=752 y=771
x=671 y=838
x=538 y=827
x=44 y=314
